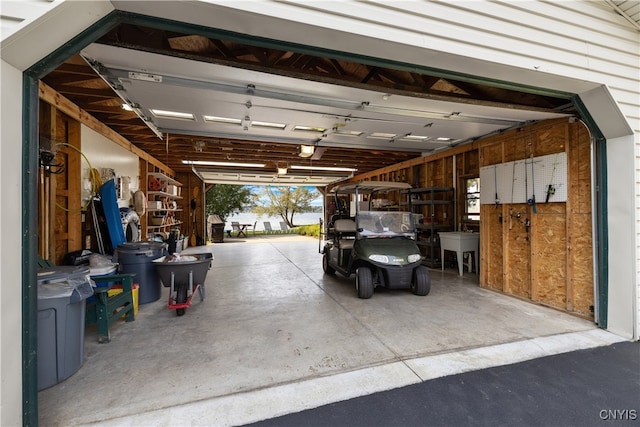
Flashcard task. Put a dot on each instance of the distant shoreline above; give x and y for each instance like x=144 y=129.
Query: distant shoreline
x=305 y=218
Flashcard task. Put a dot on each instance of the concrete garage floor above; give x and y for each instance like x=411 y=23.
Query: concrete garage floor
x=275 y=335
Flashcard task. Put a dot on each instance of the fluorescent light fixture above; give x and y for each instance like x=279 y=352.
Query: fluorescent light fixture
x=323 y=168
x=126 y=107
x=349 y=132
x=415 y=138
x=282 y=171
x=229 y=164
x=226 y=120
x=443 y=139
x=172 y=114
x=268 y=125
x=306 y=150
x=382 y=135
x=309 y=128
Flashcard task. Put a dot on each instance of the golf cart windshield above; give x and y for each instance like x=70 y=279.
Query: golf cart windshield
x=373 y=224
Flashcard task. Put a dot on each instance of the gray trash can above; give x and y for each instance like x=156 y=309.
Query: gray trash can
x=137 y=257
x=62 y=295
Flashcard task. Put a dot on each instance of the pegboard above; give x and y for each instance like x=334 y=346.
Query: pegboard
x=517 y=182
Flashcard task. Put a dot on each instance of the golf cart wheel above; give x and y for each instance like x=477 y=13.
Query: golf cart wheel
x=325 y=264
x=421 y=281
x=364 y=283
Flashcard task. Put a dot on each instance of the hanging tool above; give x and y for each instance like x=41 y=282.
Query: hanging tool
x=526 y=181
x=96 y=227
x=533 y=187
x=495 y=181
x=193 y=240
x=531 y=201
x=513 y=180
x=550 y=188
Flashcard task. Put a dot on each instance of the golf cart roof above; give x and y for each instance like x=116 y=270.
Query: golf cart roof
x=369 y=187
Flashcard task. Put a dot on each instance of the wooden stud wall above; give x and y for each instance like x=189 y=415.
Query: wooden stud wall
x=60 y=226
x=59 y=210
x=192 y=225
x=551 y=263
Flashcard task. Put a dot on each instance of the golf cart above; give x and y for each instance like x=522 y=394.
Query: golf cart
x=376 y=242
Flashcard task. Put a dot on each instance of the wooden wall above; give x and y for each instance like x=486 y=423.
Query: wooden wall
x=549 y=262
x=59 y=204
x=63 y=225
x=193 y=220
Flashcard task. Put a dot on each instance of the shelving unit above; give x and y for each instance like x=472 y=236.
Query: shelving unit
x=163 y=196
x=436 y=206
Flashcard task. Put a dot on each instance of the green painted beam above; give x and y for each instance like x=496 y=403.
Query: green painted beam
x=601 y=241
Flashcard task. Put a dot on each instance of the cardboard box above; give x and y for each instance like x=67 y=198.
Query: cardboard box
x=172 y=189
x=154 y=204
x=156 y=220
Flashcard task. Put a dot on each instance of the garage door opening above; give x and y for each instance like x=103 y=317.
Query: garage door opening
x=450 y=169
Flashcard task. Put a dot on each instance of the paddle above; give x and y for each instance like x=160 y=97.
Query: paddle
x=193 y=240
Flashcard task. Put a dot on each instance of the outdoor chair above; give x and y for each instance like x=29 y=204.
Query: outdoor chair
x=284 y=227
x=267 y=227
x=253 y=228
x=236 y=228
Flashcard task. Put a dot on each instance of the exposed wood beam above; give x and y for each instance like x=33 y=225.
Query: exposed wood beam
x=50 y=96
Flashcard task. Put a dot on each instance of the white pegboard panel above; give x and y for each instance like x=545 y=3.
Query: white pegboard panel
x=517 y=182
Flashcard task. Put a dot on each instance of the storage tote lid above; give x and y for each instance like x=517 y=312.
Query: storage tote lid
x=104 y=270
x=142 y=246
x=62 y=272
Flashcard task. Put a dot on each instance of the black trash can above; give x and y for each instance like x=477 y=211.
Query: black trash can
x=137 y=257
x=62 y=296
x=217 y=229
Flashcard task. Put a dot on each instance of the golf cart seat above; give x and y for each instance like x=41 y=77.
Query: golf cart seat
x=345 y=230
x=335 y=217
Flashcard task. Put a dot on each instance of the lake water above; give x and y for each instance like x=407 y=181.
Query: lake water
x=249 y=218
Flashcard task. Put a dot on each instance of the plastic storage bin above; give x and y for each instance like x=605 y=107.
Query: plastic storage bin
x=137 y=257
x=62 y=295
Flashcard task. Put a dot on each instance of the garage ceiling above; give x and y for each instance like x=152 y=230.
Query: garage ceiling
x=249 y=109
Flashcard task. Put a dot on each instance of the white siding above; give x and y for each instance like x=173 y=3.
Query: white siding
x=32 y=29
x=10 y=241
x=577 y=39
